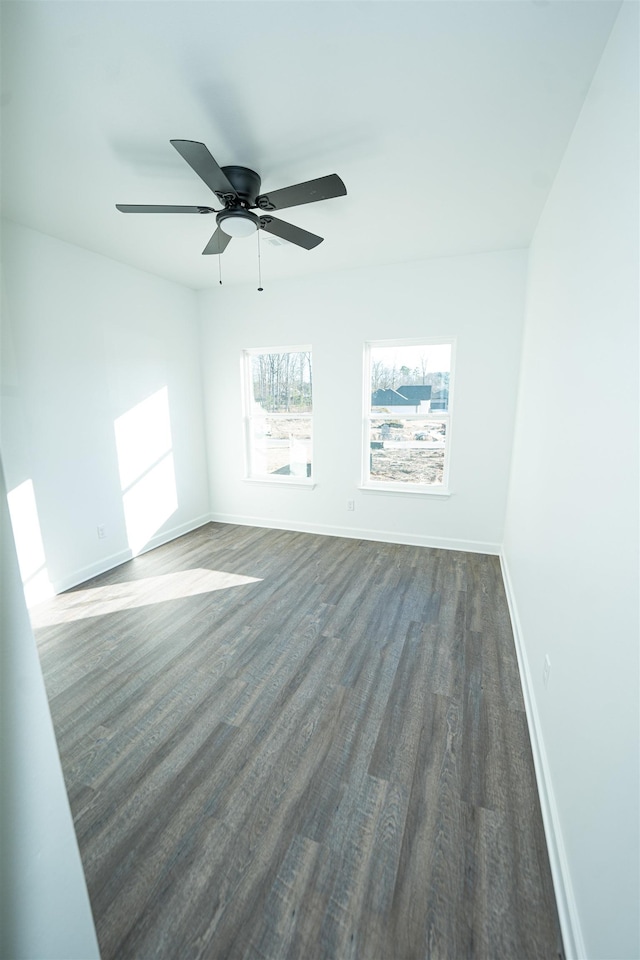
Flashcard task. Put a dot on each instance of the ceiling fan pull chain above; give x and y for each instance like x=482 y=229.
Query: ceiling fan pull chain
x=259 y=264
x=220 y=268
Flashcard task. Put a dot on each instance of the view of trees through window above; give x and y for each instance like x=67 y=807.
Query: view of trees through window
x=279 y=424
x=394 y=367
x=282 y=382
x=408 y=419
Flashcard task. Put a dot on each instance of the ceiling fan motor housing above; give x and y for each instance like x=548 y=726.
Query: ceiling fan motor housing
x=245 y=182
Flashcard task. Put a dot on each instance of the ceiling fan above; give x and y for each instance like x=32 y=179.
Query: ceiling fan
x=238 y=189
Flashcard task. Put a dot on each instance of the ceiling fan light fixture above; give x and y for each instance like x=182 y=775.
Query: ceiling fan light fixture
x=238 y=223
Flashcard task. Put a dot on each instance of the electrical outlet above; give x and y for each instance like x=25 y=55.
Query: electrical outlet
x=351 y=504
x=101 y=532
x=546 y=670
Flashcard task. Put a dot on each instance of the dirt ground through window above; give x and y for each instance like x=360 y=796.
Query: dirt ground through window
x=407 y=465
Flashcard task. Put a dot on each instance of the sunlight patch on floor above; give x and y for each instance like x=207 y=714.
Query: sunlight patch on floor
x=114 y=597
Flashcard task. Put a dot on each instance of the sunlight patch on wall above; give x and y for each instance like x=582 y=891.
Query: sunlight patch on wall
x=147 y=474
x=114 y=597
x=29 y=545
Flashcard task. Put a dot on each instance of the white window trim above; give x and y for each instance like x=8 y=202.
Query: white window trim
x=283 y=481
x=396 y=487
x=247 y=403
x=406 y=490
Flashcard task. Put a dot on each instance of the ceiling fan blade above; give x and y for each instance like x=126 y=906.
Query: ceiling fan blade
x=146 y=208
x=201 y=161
x=287 y=231
x=218 y=242
x=324 y=188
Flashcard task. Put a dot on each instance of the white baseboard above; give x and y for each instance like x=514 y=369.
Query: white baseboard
x=567 y=908
x=91 y=570
x=353 y=533
x=166 y=535
x=115 y=559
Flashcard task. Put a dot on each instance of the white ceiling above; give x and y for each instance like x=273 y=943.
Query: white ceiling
x=446 y=119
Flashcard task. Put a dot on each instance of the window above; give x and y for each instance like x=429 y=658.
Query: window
x=278 y=414
x=407 y=424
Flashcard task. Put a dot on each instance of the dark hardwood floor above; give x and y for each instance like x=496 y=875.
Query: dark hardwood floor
x=279 y=745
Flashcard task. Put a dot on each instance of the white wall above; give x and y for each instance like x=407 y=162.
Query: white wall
x=571 y=543
x=44 y=906
x=479 y=300
x=85 y=340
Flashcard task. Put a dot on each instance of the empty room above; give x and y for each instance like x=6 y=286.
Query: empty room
x=320 y=480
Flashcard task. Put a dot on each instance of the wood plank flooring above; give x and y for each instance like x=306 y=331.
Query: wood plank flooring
x=279 y=745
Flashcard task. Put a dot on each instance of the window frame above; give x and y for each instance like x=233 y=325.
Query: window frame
x=249 y=418
x=398 y=487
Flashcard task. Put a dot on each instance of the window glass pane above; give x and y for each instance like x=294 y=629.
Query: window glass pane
x=281 y=382
x=410 y=379
x=279 y=421
x=281 y=446
x=407 y=451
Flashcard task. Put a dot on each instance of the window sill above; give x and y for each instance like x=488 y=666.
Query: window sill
x=404 y=490
x=281 y=482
